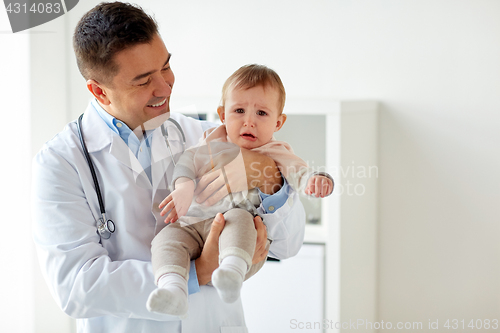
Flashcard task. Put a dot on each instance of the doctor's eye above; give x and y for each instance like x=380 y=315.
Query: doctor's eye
x=145 y=83
x=239 y=111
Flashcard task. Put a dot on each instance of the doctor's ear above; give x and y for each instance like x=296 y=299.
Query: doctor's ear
x=220 y=111
x=98 y=91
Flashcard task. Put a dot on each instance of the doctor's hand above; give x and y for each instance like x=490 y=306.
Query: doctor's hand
x=261 y=249
x=179 y=200
x=248 y=170
x=319 y=186
x=208 y=261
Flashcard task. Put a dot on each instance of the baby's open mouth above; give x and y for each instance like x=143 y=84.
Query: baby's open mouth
x=248 y=135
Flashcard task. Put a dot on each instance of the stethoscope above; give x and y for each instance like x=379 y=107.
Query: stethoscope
x=105 y=226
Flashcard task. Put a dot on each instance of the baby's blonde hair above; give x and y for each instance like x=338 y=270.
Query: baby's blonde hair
x=254 y=75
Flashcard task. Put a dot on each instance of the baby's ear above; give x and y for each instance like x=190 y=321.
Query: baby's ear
x=280 y=122
x=220 y=112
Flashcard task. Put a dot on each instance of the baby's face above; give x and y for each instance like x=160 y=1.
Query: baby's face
x=251 y=116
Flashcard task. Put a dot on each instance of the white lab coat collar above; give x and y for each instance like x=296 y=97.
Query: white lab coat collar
x=99 y=136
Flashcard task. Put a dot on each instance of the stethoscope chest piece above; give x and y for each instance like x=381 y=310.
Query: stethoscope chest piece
x=105 y=229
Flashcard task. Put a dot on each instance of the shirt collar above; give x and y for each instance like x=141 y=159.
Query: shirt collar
x=108 y=119
x=118 y=126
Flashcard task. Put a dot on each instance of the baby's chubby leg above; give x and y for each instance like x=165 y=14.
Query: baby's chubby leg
x=237 y=245
x=172 y=250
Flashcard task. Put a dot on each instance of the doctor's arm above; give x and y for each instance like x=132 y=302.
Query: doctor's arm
x=84 y=281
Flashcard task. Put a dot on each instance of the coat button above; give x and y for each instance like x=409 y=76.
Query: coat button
x=271 y=208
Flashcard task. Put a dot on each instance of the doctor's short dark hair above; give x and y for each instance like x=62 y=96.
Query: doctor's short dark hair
x=108 y=28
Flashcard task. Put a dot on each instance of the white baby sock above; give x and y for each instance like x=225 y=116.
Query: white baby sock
x=228 y=278
x=171 y=296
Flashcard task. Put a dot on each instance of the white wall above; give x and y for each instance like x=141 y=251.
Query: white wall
x=33 y=91
x=49 y=47
x=16 y=247
x=434 y=65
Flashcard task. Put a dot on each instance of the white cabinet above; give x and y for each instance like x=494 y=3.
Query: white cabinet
x=283 y=295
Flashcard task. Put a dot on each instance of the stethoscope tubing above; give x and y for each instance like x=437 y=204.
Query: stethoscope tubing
x=91 y=166
x=164 y=132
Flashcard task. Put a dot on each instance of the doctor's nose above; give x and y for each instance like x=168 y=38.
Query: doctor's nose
x=164 y=86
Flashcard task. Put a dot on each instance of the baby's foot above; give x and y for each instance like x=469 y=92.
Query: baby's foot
x=228 y=283
x=172 y=301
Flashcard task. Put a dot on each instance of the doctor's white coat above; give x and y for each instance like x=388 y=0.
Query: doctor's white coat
x=105 y=283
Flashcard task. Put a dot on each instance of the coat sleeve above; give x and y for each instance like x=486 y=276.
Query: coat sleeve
x=81 y=277
x=285 y=227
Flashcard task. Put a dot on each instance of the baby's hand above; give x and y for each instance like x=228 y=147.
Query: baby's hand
x=319 y=186
x=178 y=201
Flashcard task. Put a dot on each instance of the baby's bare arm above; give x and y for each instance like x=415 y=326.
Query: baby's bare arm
x=177 y=203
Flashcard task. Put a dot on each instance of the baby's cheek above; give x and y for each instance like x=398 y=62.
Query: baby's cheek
x=266 y=136
x=233 y=134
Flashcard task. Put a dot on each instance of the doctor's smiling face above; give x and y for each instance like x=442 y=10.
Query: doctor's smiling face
x=140 y=90
x=121 y=55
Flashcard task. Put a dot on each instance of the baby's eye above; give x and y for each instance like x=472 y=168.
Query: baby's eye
x=261 y=113
x=239 y=111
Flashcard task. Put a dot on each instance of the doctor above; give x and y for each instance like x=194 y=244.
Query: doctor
x=105 y=282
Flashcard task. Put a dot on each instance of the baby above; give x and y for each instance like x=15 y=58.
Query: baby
x=253 y=99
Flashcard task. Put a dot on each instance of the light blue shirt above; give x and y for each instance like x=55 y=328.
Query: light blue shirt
x=141 y=150
x=140 y=147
